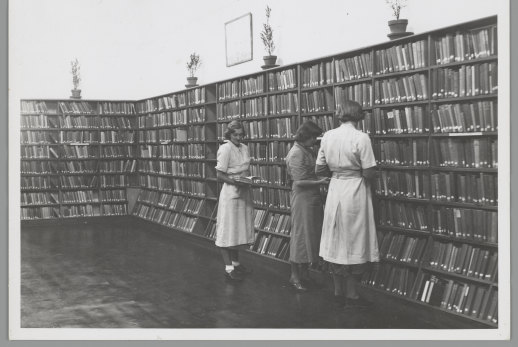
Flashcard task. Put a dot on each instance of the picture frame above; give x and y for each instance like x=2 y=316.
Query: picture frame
x=238 y=40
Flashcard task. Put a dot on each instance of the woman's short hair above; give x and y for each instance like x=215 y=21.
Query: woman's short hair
x=349 y=111
x=307 y=130
x=232 y=127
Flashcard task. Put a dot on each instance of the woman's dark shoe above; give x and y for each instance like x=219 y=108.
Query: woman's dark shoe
x=298 y=286
x=233 y=276
x=357 y=303
x=242 y=270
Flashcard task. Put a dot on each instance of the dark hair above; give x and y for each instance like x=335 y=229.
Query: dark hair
x=349 y=111
x=307 y=130
x=232 y=127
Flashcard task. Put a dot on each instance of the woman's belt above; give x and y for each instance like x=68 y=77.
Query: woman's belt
x=343 y=175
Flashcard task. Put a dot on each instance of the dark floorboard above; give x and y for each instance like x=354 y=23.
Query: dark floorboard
x=126 y=275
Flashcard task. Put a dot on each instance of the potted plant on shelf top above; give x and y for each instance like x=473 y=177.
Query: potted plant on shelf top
x=397 y=26
x=267 y=38
x=76 y=79
x=193 y=65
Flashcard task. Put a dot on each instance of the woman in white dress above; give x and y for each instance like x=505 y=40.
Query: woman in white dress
x=349 y=242
x=235 y=223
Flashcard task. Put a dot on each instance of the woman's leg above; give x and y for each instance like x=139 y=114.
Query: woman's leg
x=338 y=284
x=226 y=254
x=351 y=283
x=304 y=271
x=295 y=275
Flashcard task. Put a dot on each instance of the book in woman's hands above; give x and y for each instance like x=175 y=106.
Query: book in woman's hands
x=248 y=179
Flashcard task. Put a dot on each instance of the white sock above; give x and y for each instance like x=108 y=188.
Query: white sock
x=229 y=268
x=235 y=263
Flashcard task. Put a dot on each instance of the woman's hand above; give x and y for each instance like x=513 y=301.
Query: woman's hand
x=324 y=180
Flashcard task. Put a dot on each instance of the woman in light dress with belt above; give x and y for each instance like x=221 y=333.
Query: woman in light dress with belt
x=349 y=242
x=235 y=223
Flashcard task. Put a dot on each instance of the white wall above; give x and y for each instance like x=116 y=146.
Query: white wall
x=133 y=49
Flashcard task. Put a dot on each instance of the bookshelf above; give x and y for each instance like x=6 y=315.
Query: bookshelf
x=432 y=115
x=177 y=148
x=71 y=158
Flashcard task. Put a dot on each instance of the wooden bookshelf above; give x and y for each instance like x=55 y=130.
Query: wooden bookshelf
x=68 y=146
x=432 y=115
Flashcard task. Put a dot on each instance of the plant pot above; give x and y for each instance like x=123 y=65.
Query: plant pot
x=191 y=82
x=269 y=61
x=76 y=94
x=398 y=26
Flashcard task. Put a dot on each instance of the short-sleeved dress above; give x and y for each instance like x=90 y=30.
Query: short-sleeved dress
x=306 y=206
x=235 y=224
x=348 y=232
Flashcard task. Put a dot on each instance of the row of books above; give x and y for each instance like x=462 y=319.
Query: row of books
x=401 y=247
x=407 y=120
x=318 y=74
x=408 y=184
x=478 y=301
x=361 y=93
x=81 y=211
x=182 y=186
x=114 y=210
x=316 y=101
x=196 y=96
x=174 y=151
x=116 y=108
x=228 y=90
x=121 y=136
x=162 y=119
x=464 y=259
x=466 y=188
x=466 y=153
x=80 y=196
x=270 y=174
x=82 y=121
x=276 y=222
x=472 y=300
x=34 y=213
x=467 y=117
x=77 y=181
x=34 y=107
x=76 y=107
x=465 y=46
x=168 y=218
x=465 y=81
x=353 y=68
x=171 y=101
x=282 y=80
x=106 y=152
x=127 y=166
x=252 y=85
x=391 y=278
x=39 y=182
x=39 y=198
x=275 y=151
x=175 y=168
x=401 y=152
x=274 y=246
x=403 y=57
x=463 y=223
x=402 y=215
x=401 y=89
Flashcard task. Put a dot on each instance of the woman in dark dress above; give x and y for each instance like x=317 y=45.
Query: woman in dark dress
x=306 y=204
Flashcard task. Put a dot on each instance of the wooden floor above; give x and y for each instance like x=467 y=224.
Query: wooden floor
x=129 y=273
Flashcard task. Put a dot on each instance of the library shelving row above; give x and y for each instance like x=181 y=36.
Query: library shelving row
x=431 y=103
x=77 y=158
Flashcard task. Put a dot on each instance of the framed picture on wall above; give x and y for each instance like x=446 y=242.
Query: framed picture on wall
x=238 y=40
